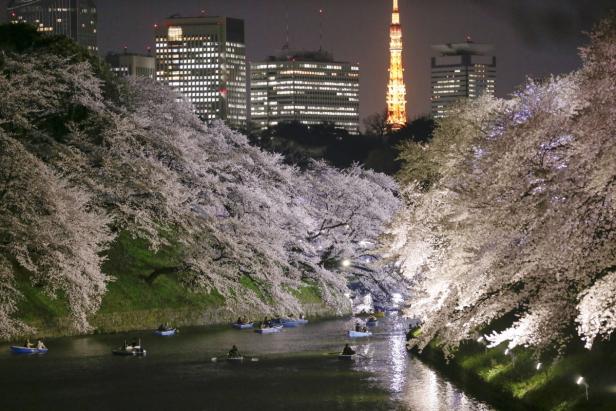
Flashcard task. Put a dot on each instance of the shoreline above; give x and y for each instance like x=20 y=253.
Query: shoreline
x=468 y=382
x=141 y=320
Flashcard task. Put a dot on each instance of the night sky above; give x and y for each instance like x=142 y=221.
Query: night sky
x=531 y=37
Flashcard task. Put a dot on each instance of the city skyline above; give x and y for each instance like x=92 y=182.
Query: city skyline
x=440 y=21
x=530 y=49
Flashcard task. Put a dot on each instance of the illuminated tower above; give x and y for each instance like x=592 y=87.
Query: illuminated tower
x=396 y=91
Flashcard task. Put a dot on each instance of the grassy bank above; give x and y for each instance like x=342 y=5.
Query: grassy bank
x=516 y=382
x=137 y=300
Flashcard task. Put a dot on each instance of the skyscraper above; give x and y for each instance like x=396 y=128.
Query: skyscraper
x=76 y=19
x=204 y=58
x=132 y=64
x=462 y=70
x=309 y=87
x=396 y=90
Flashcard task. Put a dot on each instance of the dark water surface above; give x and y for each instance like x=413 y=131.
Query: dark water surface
x=294 y=372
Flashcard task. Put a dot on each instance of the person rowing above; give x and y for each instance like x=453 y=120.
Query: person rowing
x=358 y=327
x=347 y=350
x=234 y=352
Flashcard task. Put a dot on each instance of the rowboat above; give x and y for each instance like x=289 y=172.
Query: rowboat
x=235 y=359
x=242 y=326
x=357 y=334
x=270 y=330
x=166 y=333
x=346 y=357
x=130 y=350
x=293 y=322
x=28 y=350
x=298 y=321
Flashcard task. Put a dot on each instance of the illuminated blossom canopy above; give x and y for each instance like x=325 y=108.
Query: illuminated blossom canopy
x=78 y=167
x=511 y=211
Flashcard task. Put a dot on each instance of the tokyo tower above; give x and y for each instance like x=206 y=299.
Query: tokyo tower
x=396 y=91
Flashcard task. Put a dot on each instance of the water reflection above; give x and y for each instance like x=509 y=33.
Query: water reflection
x=411 y=382
x=294 y=364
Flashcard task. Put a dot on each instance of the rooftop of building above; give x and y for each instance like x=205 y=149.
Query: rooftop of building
x=129 y=54
x=204 y=18
x=303 y=55
x=468 y=47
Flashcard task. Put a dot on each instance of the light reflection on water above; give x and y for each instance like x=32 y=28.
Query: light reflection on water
x=411 y=382
x=296 y=361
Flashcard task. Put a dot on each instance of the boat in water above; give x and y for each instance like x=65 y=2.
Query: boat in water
x=27 y=350
x=358 y=334
x=235 y=359
x=134 y=349
x=346 y=357
x=269 y=330
x=166 y=332
x=242 y=326
x=293 y=322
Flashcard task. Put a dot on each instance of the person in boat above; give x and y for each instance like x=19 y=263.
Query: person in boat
x=134 y=344
x=240 y=320
x=28 y=344
x=357 y=326
x=364 y=329
x=347 y=350
x=301 y=316
x=40 y=345
x=161 y=327
x=234 y=352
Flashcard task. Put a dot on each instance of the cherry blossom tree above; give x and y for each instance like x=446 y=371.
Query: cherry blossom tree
x=510 y=210
x=78 y=168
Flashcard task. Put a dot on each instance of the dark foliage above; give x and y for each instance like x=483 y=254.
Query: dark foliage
x=300 y=143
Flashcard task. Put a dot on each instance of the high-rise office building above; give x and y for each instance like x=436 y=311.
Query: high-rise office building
x=462 y=70
x=132 y=64
x=309 y=87
x=76 y=19
x=204 y=58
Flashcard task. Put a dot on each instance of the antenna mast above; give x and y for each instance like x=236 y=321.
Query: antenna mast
x=320 y=29
x=286 y=19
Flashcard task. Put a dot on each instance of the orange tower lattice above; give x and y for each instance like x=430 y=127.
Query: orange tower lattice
x=396 y=91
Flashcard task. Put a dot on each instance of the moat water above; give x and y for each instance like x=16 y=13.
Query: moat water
x=295 y=369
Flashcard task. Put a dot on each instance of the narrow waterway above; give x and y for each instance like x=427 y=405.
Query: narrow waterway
x=290 y=370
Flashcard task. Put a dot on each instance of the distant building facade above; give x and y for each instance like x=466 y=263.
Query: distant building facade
x=132 y=64
x=308 y=87
x=204 y=58
x=462 y=70
x=76 y=19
